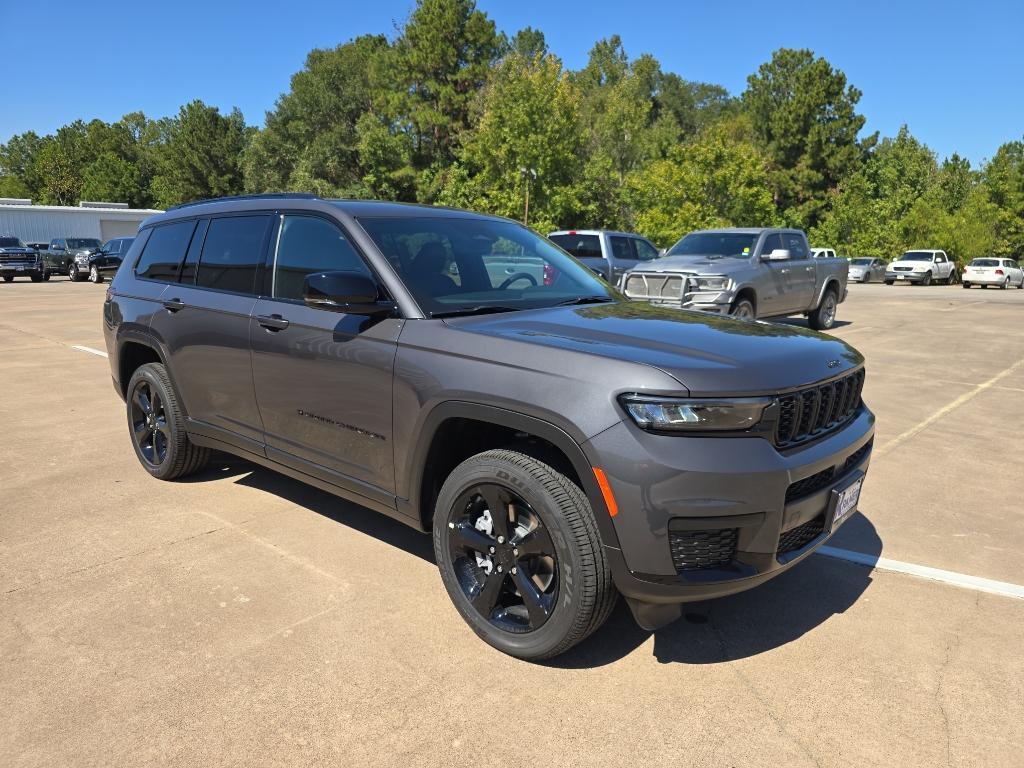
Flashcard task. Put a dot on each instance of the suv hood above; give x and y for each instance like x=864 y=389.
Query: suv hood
x=707 y=354
x=26 y=251
x=697 y=265
x=898 y=263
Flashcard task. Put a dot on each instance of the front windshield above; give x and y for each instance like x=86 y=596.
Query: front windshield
x=715 y=244
x=11 y=242
x=916 y=256
x=468 y=265
x=984 y=263
x=861 y=262
x=83 y=242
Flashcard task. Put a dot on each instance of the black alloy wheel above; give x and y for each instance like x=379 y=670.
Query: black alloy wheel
x=504 y=558
x=150 y=430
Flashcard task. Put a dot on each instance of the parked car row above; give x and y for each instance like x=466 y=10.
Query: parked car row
x=80 y=258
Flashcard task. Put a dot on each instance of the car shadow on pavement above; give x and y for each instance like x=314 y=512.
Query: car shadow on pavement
x=710 y=632
x=752 y=622
x=353 y=515
x=801 y=322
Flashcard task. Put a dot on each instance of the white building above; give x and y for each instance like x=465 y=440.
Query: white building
x=42 y=223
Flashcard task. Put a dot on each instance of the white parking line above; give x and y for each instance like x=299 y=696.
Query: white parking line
x=946 y=409
x=1003 y=588
x=90 y=350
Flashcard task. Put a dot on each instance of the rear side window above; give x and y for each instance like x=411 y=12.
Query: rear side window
x=231 y=253
x=580 y=246
x=188 y=269
x=164 y=251
x=644 y=250
x=309 y=244
x=794 y=243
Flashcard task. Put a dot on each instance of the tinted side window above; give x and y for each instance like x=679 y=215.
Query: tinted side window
x=795 y=244
x=164 y=251
x=580 y=246
x=771 y=243
x=231 y=253
x=310 y=244
x=620 y=248
x=188 y=269
x=644 y=250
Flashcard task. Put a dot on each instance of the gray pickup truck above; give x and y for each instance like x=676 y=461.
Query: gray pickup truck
x=747 y=273
x=609 y=254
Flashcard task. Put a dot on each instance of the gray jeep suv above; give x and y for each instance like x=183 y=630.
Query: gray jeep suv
x=562 y=444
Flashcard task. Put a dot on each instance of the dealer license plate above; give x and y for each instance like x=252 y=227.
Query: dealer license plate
x=901 y=277
x=847 y=503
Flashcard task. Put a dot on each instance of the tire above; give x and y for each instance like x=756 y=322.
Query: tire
x=953 y=279
x=8 y=278
x=578 y=593
x=888 y=282
x=94 y=275
x=927 y=279
x=823 y=317
x=965 y=285
x=73 y=274
x=743 y=309
x=1020 y=285
x=1005 y=284
x=36 y=277
x=179 y=456
x=46 y=277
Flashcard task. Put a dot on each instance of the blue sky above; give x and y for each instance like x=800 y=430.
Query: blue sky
x=953 y=71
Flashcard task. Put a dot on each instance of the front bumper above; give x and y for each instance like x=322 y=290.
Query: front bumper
x=20 y=269
x=741 y=484
x=983 y=280
x=907 y=277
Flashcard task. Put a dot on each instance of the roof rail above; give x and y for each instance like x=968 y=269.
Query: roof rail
x=258 y=196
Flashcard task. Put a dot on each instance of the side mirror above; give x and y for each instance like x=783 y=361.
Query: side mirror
x=779 y=254
x=348 y=292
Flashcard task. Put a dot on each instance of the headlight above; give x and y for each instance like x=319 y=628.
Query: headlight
x=672 y=414
x=713 y=283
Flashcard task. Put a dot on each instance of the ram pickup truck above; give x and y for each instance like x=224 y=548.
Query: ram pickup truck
x=18 y=260
x=561 y=444
x=748 y=273
x=70 y=256
x=609 y=254
x=923 y=268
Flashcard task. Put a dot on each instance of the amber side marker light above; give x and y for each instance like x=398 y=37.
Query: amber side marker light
x=606 y=491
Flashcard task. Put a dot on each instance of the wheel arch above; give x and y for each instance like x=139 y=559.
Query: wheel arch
x=746 y=292
x=832 y=283
x=475 y=427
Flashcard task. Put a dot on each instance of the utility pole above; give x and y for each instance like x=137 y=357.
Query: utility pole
x=529 y=175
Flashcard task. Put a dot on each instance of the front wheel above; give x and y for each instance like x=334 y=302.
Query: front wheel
x=157 y=426
x=743 y=309
x=8 y=278
x=889 y=282
x=73 y=274
x=927 y=279
x=824 y=317
x=46 y=276
x=519 y=553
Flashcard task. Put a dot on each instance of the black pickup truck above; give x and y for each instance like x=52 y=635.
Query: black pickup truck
x=17 y=260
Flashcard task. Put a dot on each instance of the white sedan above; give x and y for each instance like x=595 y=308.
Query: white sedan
x=993 y=271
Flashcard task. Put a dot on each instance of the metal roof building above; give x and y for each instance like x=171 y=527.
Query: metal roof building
x=42 y=223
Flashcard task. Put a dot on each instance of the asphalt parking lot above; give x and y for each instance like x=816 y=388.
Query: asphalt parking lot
x=241 y=618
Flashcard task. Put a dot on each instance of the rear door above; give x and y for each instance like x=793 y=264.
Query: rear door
x=205 y=322
x=771 y=293
x=323 y=379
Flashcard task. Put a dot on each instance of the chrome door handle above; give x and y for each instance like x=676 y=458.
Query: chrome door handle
x=784 y=271
x=272 y=322
x=173 y=305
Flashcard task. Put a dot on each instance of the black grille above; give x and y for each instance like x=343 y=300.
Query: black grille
x=697 y=550
x=815 y=411
x=826 y=477
x=798 y=537
x=11 y=258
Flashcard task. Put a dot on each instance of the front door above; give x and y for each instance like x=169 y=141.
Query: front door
x=323 y=379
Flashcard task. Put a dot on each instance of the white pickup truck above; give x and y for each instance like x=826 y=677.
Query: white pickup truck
x=922 y=267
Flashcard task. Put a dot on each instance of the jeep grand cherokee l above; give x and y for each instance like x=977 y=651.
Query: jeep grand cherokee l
x=562 y=445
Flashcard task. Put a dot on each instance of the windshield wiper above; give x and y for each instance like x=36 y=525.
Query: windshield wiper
x=484 y=309
x=585 y=300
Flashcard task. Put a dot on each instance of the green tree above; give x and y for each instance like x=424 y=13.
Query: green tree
x=202 y=155
x=529 y=43
x=711 y=182
x=804 y=117
x=529 y=120
x=1003 y=178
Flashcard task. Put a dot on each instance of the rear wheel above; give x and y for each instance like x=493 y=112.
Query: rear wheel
x=519 y=553
x=824 y=317
x=1005 y=284
x=157 y=426
x=94 y=275
x=953 y=278
x=965 y=284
